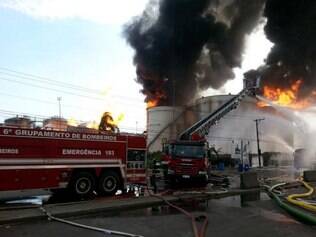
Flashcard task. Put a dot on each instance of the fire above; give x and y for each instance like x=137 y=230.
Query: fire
x=152 y=103
x=158 y=98
x=92 y=124
x=116 y=119
x=72 y=122
x=286 y=97
x=109 y=122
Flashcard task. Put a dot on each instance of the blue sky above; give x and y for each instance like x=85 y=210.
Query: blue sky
x=80 y=50
x=80 y=42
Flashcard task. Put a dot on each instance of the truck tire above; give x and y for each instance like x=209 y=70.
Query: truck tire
x=109 y=183
x=202 y=181
x=82 y=184
x=172 y=181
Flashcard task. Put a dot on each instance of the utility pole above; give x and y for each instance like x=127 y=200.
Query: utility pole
x=59 y=106
x=242 y=152
x=173 y=97
x=136 y=127
x=59 y=111
x=257 y=121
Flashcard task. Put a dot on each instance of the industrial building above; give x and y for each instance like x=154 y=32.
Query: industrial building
x=236 y=129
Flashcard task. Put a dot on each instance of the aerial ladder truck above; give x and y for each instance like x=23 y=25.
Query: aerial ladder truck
x=187 y=157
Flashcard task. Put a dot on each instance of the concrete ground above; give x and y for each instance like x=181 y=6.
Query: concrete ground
x=226 y=218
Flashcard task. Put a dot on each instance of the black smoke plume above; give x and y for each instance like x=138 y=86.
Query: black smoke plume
x=291 y=26
x=192 y=45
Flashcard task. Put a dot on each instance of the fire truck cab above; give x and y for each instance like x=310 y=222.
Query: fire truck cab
x=80 y=162
x=186 y=160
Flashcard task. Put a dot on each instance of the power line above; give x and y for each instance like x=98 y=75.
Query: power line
x=8 y=112
x=62 y=91
x=50 y=102
x=15 y=113
x=46 y=80
x=52 y=82
x=27 y=98
x=48 y=88
x=40 y=118
x=44 y=101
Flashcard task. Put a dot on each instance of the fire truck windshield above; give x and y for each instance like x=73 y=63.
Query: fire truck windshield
x=188 y=151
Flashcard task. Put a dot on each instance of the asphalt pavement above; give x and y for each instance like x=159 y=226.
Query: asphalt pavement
x=226 y=218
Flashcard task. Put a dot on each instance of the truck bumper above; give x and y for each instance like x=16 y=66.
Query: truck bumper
x=183 y=178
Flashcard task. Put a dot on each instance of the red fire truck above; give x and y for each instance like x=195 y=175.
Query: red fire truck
x=81 y=162
x=188 y=156
x=185 y=160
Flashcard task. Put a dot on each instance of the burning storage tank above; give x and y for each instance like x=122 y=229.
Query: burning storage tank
x=275 y=131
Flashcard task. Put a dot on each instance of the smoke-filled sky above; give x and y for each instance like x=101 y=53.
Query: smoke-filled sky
x=186 y=46
x=190 y=45
x=291 y=27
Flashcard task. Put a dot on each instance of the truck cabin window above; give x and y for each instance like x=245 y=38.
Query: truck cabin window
x=188 y=151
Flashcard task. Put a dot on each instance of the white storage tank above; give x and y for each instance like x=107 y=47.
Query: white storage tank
x=160 y=126
x=275 y=131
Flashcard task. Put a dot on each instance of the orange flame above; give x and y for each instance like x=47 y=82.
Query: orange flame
x=156 y=99
x=152 y=103
x=286 y=97
x=108 y=119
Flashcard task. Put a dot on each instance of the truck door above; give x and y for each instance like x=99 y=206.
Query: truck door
x=136 y=165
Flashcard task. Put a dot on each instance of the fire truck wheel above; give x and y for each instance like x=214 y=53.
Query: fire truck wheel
x=82 y=184
x=109 y=183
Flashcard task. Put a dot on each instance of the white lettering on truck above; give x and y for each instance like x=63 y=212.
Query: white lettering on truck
x=9 y=151
x=81 y=152
x=58 y=134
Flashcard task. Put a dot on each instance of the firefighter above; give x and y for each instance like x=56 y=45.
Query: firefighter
x=153 y=178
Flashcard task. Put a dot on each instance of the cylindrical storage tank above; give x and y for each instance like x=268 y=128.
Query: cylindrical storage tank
x=305 y=150
x=300 y=138
x=55 y=123
x=20 y=122
x=208 y=104
x=275 y=130
x=163 y=123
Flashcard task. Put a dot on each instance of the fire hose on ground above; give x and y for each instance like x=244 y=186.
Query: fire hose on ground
x=301 y=203
x=198 y=232
x=102 y=230
x=302 y=215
